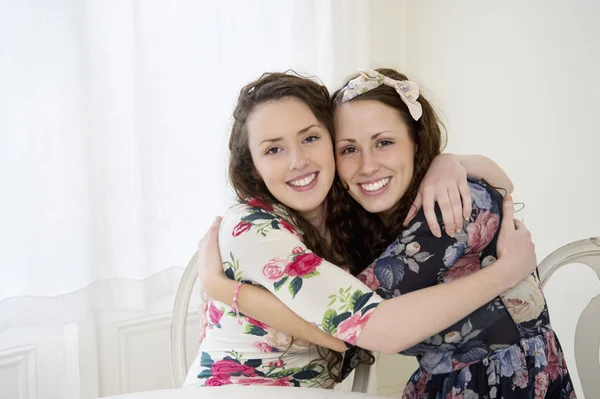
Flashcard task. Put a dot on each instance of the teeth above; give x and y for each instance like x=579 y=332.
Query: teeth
x=375 y=186
x=304 y=182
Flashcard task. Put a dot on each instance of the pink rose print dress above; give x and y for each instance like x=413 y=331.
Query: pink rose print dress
x=258 y=246
x=504 y=350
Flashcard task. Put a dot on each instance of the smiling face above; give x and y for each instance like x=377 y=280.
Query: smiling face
x=292 y=153
x=374 y=154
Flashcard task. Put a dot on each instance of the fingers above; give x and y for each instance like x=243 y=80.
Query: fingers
x=447 y=213
x=508 y=213
x=414 y=208
x=465 y=193
x=212 y=235
x=429 y=210
x=520 y=226
x=457 y=210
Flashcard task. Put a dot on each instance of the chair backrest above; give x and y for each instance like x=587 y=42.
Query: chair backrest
x=179 y=363
x=587 y=332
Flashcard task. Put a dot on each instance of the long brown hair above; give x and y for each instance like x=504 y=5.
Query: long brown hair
x=244 y=178
x=362 y=235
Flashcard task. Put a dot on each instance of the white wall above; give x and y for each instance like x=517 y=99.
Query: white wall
x=518 y=82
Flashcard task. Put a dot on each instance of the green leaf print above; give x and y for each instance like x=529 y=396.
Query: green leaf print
x=206 y=360
x=277 y=285
x=253 y=363
x=355 y=297
x=328 y=325
x=232 y=268
x=205 y=374
x=284 y=373
x=257 y=216
x=361 y=300
x=295 y=286
x=309 y=275
x=306 y=375
x=341 y=317
x=255 y=330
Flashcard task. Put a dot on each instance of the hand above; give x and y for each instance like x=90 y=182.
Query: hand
x=210 y=265
x=514 y=245
x=446 y=183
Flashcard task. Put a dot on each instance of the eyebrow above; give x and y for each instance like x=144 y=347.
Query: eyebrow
x=301 y=131
x=373 y=137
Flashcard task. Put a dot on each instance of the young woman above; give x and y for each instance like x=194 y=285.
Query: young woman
x=279 y=237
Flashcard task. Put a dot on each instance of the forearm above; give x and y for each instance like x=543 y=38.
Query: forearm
x=406 y=320
x=482 y=167
x=262 y=305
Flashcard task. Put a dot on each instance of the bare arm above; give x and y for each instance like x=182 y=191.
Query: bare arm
x=445 y=304
x=482 y=167
x=401 y=322
x=261 y=305
x=445 y=183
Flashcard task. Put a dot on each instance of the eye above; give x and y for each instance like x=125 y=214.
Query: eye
x=348 y=150
x=384 y=143
x=311 y=139
x=273 y=151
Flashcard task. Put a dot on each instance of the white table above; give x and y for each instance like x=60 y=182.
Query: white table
x=246 y=392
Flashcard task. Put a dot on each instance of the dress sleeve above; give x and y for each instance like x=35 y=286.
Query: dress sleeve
x=259 y=246
x=417 y=259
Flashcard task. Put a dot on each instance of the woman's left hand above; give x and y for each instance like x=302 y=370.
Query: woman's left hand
x=445 y=183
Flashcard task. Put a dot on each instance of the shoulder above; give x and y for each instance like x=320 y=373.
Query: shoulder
x=484 y=197
x=254 y=215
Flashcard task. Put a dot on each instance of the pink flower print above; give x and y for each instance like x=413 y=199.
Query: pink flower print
x=214 y=314
x=217 y=381
x=464 y=266
x=256 y=323
x=552 y=356
x=298 y=250
x=482 y=231
x=277 y=363
x=288 y=227
x=264 y=347
x=240 y=228
x=521 y=378
x=274 y=382
x=369 y=279
x=410 y=392
x=349 y=329
x=274 y=269
x=541 y=385
x=224 y=368
x=453 y=395
x=259 y=203
x=303 y=264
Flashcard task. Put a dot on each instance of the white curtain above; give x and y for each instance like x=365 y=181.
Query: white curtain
x=114 y=119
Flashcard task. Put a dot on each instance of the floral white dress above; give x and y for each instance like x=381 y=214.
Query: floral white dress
x=258 y=246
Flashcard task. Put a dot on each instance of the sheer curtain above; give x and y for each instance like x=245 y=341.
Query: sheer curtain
x=114 y=119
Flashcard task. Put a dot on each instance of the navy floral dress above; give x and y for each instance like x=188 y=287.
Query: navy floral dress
x=505 y=349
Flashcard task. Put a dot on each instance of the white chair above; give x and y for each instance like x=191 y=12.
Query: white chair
x=587 y=332
x=179 y=363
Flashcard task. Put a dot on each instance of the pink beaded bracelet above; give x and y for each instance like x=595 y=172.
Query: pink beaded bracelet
x=234 y=306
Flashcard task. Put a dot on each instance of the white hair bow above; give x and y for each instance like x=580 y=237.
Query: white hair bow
x=370 y=79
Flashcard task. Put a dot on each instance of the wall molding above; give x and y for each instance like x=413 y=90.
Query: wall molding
x=24 y=359
x=126 y=329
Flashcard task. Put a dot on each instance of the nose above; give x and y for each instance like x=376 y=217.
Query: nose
x=298 y=160
x=368 y=164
